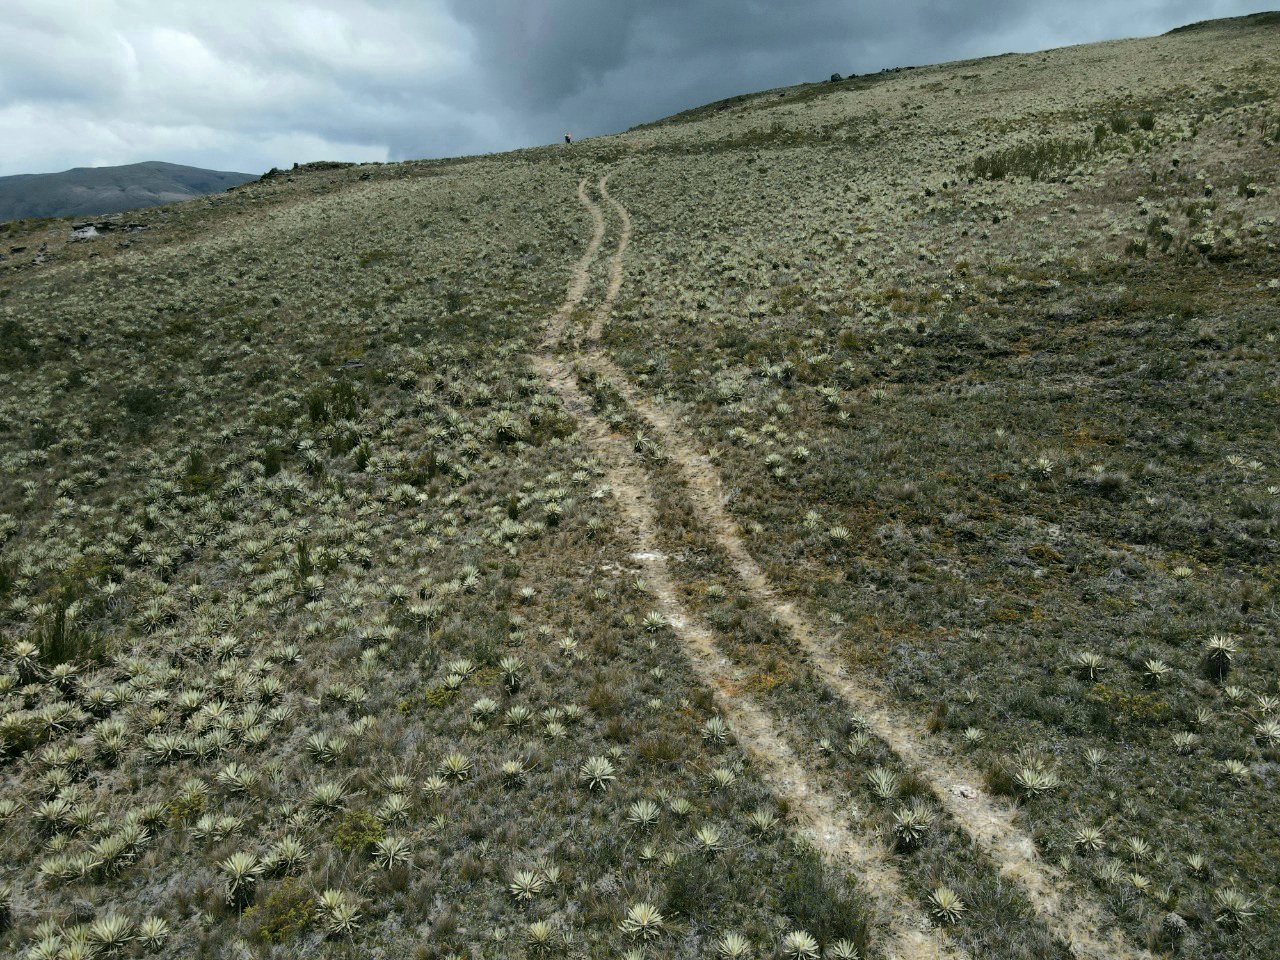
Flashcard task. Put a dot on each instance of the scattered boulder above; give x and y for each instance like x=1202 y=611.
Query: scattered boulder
x=88 y=229
x=323 y=165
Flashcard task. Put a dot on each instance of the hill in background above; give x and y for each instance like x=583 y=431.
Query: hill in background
x=91 y=191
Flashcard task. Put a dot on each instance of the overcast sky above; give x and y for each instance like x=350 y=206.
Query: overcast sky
x=251 y=84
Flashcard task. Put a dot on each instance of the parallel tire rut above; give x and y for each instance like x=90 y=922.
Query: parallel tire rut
x=581 y=275
x=1072 y=918
x=909 y=935
x=615 y=266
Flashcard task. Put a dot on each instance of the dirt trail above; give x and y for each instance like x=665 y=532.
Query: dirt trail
x=581 y=275
x=988 y=820
x=819 y=812
x=605 y=309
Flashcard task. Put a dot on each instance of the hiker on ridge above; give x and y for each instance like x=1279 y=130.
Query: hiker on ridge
x=568 y=138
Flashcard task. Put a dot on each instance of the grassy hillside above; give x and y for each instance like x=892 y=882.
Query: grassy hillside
x=93 y=191
x=839 y=521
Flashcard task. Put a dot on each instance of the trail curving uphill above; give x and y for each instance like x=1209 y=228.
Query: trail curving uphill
x=605 y=309
x=581 y=274
x=1069 y=915
x=819 y=812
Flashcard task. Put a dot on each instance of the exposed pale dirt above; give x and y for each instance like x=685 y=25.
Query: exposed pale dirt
x=818 y=812
x=989 y=821
x=615 y=264
x=581 y=275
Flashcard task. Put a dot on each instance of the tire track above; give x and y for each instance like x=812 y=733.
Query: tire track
x=819 y=813
x=581 y=275
x=605 y=309
x=1074 y=918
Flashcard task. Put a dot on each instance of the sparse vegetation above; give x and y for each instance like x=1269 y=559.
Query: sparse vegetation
x=312 y=570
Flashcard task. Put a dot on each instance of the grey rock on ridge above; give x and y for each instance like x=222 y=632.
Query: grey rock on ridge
x=91 y=191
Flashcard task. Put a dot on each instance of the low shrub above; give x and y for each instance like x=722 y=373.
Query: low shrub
x=1035 y=161
x=283 y=915
x=358 y=830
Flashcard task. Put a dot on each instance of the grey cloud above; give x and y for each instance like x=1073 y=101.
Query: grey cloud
x=248 y=84
x=602 y=67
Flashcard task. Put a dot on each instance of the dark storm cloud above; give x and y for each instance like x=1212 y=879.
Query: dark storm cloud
x=601 y=67
x=248 y=84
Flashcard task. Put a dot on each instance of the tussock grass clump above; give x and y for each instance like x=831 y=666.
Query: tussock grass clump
x=1034 y=161
x=820 y=906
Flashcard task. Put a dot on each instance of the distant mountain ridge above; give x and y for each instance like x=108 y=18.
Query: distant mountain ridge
x=92 y=191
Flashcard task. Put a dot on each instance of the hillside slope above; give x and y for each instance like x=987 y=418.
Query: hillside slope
x=842 y=523
x=92 y=191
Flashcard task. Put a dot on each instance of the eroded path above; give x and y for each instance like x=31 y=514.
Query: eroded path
x=1067 y=914
x=581 y=275
x=605 y=309
x=907 y=933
